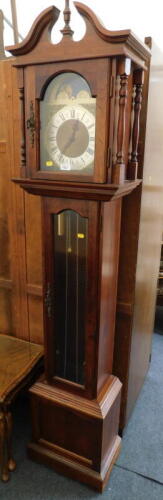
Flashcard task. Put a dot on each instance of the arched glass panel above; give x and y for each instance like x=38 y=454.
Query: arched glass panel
x=70 y=281
x=68 y=116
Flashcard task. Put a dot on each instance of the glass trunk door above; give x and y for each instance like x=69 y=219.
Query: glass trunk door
x=73 y=320
x=70 y=278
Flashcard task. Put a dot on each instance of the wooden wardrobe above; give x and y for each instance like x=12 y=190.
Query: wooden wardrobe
x=20 y=242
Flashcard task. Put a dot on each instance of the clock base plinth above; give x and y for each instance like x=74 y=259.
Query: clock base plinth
x=76 y=436
x=72 y=469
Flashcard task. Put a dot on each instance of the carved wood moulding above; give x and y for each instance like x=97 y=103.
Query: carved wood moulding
x=97 y=42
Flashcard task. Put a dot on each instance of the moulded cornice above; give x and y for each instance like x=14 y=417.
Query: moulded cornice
x=80 y=190
x=121 y=36
x=45 y=20
x=37 y=48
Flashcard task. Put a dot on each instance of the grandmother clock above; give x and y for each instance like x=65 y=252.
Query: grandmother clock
x=76 y=109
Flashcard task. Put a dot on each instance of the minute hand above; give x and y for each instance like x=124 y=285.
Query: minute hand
x=72 y=138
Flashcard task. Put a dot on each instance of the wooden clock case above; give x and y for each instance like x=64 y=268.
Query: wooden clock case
x=75 y=426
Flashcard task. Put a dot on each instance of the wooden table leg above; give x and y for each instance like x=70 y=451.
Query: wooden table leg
x=3 y=448
x=11 y=461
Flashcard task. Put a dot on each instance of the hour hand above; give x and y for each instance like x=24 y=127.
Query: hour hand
x=72 y=137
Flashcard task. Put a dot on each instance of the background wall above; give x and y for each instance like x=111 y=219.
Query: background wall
x=142 y=17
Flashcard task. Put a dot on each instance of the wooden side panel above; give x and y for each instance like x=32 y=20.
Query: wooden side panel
x=6 y=316
x=28 y=241
x=149 y=241
x=6 y=321
x=13 y=305
x=34 y=266
x=126 y=292
x=33 y=240
x=109 y=271
x=20 y=226
x=17 y=218
x=139 y=256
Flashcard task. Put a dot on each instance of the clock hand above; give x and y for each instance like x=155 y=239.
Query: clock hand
x=75 y=128
x=71 y=139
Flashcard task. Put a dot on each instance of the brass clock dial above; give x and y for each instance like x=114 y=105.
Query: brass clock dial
x=68 y=126
x=70 y=137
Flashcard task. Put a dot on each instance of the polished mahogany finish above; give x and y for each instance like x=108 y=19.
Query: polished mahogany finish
x=75 y=406
x=110 y=52
x=135 y=308
x=80 y=438
x=23 y=359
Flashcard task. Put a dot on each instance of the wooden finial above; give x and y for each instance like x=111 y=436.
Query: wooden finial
x=67 y=15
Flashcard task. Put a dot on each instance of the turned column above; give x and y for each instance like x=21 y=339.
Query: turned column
x=138 y=79
x=22 y=122
x=22 y=144
x=119 y=169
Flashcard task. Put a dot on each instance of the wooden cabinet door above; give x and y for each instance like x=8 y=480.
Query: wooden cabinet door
x=42 y=104
x=70 y=240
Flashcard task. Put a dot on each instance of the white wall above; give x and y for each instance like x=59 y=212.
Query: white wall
x=154 y=133
x=142 y=16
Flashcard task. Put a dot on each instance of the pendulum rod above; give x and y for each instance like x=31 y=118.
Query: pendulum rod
x=66 y=297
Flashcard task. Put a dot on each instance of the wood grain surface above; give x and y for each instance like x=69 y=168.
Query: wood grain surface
x=17 y=357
